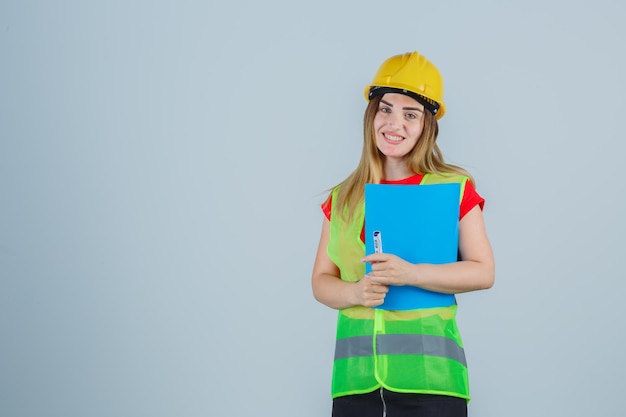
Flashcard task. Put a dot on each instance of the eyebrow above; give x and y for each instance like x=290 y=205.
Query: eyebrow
x=403 y=108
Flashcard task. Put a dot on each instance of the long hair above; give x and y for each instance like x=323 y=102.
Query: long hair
x=424 y=158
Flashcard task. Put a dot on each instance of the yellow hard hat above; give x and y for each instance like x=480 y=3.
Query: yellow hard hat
x=413 y=75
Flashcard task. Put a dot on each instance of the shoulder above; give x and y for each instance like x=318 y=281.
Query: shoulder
x=327 y=205
x=470 y=199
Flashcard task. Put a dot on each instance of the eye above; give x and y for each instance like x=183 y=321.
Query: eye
x=385 y=110
x=417 y=115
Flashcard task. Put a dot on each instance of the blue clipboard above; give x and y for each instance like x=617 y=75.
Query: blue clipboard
x=418 y=223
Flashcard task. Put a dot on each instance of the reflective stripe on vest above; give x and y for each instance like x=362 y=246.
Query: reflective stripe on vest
x=405 y=351
x=400 y=344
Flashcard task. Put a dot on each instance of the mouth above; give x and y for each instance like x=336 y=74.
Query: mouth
x=392 y=138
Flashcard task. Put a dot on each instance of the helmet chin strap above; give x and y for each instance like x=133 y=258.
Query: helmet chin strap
x=428 y=104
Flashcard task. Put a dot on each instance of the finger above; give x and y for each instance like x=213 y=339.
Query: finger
x=379 y=279
x=374 y=277
x=379 y=287
x=372 y=302
x=376 y=257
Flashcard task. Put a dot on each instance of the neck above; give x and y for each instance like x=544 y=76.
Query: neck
x=396 y=169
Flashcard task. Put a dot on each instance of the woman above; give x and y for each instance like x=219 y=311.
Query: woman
x=410 y=362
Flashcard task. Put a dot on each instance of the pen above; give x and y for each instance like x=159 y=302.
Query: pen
x=378 y=242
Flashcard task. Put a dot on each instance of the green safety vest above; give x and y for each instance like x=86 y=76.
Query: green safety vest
x=417 y=351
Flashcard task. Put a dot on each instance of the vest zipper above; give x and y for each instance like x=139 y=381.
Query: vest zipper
x=379 y=328
x=382 y=398
x=379 y=321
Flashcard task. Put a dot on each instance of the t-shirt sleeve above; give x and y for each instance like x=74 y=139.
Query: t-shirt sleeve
x=327 y=205
x=470 y=199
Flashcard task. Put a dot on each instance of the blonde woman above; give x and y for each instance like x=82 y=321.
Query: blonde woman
x=389 y=362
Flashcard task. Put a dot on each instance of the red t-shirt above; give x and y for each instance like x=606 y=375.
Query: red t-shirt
x=470 y=197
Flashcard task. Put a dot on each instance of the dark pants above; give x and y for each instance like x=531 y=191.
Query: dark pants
x=381 y=403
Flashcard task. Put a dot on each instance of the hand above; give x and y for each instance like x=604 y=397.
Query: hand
x=370 y=293
x=389 y=269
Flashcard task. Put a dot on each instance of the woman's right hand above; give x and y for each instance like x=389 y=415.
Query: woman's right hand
x=369 y=293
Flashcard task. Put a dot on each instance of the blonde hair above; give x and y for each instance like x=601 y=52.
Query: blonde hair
x=424 y=158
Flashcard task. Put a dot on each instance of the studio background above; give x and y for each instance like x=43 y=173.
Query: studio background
x=161 y=170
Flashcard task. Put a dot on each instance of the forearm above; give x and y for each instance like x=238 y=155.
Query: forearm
x=333 y=292
x=453 y=278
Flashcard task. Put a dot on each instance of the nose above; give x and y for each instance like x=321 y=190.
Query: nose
x=395 y=121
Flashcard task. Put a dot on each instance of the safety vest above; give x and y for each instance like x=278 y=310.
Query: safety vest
x=418 y=351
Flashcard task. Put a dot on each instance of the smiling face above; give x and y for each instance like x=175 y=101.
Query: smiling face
x=398 y=125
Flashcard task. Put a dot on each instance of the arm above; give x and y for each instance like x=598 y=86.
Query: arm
x=329 y=289
x=475 y=271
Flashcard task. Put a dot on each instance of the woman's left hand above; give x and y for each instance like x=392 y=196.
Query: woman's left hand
x=389 y=269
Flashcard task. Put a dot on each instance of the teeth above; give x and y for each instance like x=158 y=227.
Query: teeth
x=394 y=138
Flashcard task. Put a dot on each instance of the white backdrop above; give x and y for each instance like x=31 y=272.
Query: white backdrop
x=161 y=170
